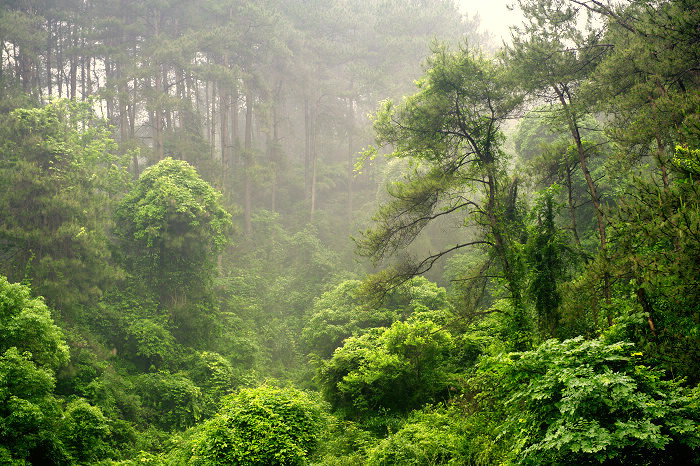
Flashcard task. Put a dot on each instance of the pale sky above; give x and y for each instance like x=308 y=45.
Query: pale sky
x=495 y=17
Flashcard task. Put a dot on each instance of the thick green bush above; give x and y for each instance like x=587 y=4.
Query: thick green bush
x=266 y=425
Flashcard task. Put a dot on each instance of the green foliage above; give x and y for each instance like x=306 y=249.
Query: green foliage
x=271 y=287
x=587 y=402
x=31 y=349
x=58 y=178
x=28 y=410
x=170 y=401
x=398 y=368
x=26 y=324
x=429 y=436
x=655 y=250
x=215 y=376
x=345 y=311
x=172 y=226
x=84 y=431
x=260 y=426
x=545 y=251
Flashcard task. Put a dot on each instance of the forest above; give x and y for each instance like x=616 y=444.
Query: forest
x=344 y=232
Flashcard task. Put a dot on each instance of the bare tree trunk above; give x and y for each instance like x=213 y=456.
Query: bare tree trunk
x=235 y=132
x=248 y=149
x=223 y=116
x=350 y=124
x=212 y=121
x=122 y=97
x=275 y=152
x=83 y=56
x=88 y=78
x=74 y=64
x=314 y=157
x=59 y=58
x=573 y=127
x=132 y=111
x=307 y=147
x=49 y=48
x=572 y=206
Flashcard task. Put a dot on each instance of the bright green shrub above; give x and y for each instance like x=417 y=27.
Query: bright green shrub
x=170 y=401
x=429 y=436
x=260 y=426
x=588 y=402
x=397 y=368
x=85 y=431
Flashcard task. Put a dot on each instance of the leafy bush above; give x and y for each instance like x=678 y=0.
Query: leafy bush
x=85 y=431
x=260 y=426
x=429 y=436
x=397 y=368
x=582 y=402
x=171 y=401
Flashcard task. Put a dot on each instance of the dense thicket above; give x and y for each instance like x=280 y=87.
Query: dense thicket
x=178 y=186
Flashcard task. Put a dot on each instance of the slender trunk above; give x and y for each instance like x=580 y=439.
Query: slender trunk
x=212 y=121
x=49 y=48
x=314 y=159
x=572 y=206
x=307 y=146
x=642 y=298
x=74 y=64
x=88 y=78
x=83 y=57
x=248 y=148
x=573 y=127
x=122 y=97
x=223 y=116
x=181 y=90
x=275 y=153
x=159 y=90
x=59 y=58
x=350 y=122
x=132 y=110
x=167 y=114
x=235 y=134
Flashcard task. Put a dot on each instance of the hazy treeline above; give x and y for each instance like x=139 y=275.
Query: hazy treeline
x=179 y=182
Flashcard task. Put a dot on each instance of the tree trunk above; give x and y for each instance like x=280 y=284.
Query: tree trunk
x=74 y=64
x=314 y=158
x=576 y=135
x=307 y=147
x=212 y=121
x=572 y=206
x=223 y=116
x=248 y=148
x=350 y=123
x=235 y=134
x=49 y=48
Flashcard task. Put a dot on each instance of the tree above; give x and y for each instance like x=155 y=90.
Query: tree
x=397 y=369
x=32 y=349
x=59 y=178
x=551 y=58
x=450 y=132
x=172 y=227
x=344 y=312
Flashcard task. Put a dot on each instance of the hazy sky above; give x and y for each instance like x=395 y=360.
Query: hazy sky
x=495 y=17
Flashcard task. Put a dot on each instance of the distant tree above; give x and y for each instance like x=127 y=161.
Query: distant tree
x=344 y=312
x=59 y=178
